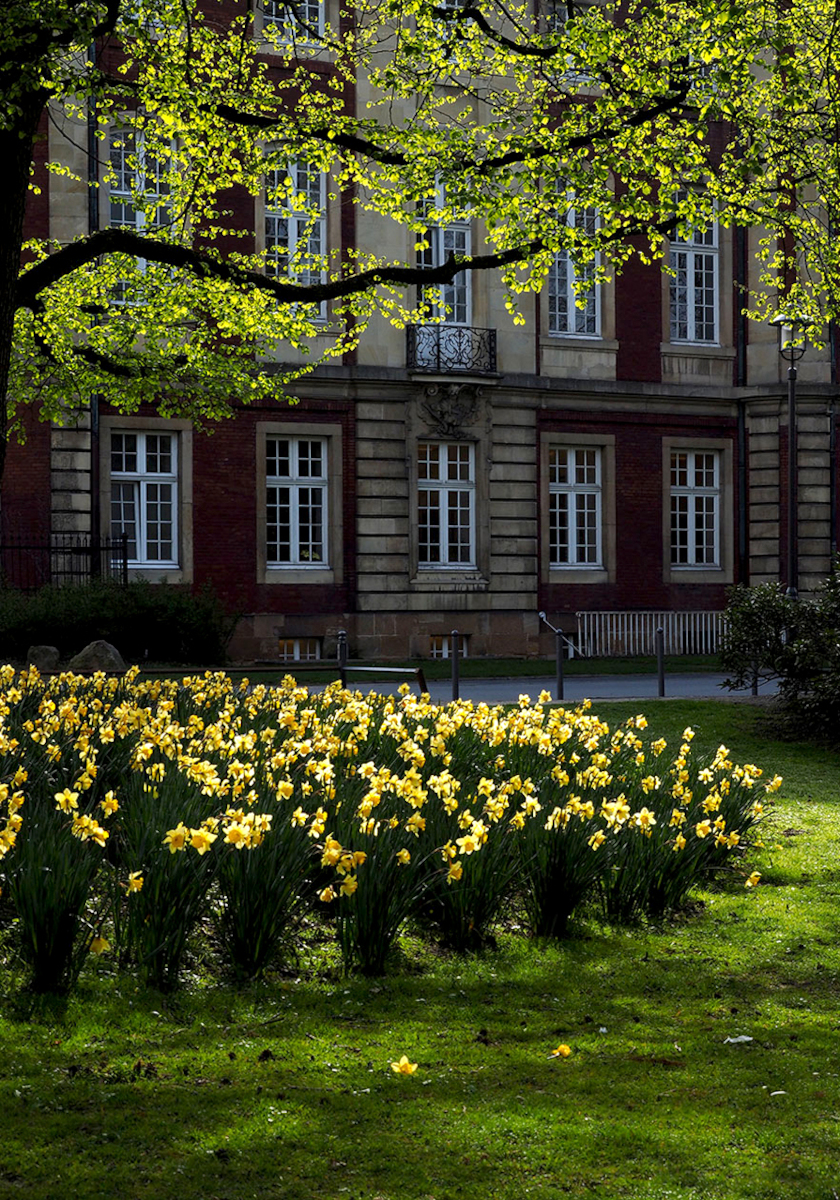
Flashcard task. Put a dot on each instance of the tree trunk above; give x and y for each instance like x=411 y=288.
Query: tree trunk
x=16 y=156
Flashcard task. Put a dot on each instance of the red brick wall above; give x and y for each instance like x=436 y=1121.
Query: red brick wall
x=639 y=536
x=25 y=507
x=225 y=518
x=638 y=322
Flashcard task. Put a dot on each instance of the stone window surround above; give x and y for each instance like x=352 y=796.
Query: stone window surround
x=183 y=429
x=724 y=573
x=332 y=433
x=606 y=572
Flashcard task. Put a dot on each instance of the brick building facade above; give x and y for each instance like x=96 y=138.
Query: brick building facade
x=626 y=455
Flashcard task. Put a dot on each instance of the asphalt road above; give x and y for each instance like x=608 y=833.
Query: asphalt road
x=578 y=687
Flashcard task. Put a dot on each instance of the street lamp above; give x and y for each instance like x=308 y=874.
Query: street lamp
x=793 y=332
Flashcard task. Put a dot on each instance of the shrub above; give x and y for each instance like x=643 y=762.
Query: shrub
x=143 y=620
x=797 y=642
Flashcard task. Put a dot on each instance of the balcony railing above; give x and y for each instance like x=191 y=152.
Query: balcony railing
x=443 y=349
x=74 y=558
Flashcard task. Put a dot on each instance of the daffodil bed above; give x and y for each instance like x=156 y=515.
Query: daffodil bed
x=135 y=810
x=692 y=1058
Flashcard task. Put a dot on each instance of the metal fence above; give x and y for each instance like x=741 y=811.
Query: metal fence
x=601 y=634
x=67 y=558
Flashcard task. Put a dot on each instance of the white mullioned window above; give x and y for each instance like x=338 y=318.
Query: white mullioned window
x=138 y=188
x=695 y=293
x=574 y=310
x=442 y=241
x=144 y=496
x=302 y=649
x=575 y=506
x=296 y=502
x=294 y=20
x=695 y=508
x=446 y=504
x=296 y=224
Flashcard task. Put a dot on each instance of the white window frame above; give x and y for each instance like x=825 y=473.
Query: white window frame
x=695 y=286
x=330 y=572
x=456 y=302
x=305 y=228
x=452 y=498
x=565 y=316
x=282 y=19
x=303 y=649
x=553 y=573
x=693 y=503
x=440 y=645
x=127 y=183
x=299 y=483
x=581 y=494
x=144 y=497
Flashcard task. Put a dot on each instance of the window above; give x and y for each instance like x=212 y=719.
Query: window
x=296 y=502
x=144 y=495
x=694 y=286
x=294 y=20
x=302 y=649
x=442 y=241
x=440 y=645
x=574 y=506
x=138 y=189
x=566 y=315
x=695 y=508
x=295 y=223
x=446 y=504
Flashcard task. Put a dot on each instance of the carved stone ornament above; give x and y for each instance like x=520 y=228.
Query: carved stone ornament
x=449 y=407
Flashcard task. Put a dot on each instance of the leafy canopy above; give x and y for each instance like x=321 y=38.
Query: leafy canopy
x=661 y=115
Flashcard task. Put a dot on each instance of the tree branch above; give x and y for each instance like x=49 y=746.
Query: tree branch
x=364 y=146
x=34 y=280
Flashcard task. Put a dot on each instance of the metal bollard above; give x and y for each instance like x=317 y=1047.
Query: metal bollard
x=558 y=640
x=660 y=660
x=455 y=651
x=342 y=657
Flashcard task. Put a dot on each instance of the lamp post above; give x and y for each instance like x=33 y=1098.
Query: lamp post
x=793 y=332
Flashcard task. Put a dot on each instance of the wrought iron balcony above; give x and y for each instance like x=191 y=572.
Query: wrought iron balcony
x=444 y=349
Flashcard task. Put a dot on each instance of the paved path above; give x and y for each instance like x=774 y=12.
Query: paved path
x=576 y=687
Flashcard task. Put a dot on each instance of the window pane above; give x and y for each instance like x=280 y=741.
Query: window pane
x=123 y=453
x=559 y=528
x=278 y=458
x=311 y=524
x=158 y=513
x=428 y=512
x=124 y=514
x=278 y=532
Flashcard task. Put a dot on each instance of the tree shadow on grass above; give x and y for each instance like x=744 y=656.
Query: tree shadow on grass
x=288 y=1091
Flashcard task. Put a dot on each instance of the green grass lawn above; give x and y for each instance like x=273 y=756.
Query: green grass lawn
x=284 y=1089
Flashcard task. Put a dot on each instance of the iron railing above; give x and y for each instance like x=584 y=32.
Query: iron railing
x=634 y=632
x=443 y=349
x=74 y=558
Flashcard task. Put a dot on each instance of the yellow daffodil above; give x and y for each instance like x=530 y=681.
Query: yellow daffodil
x=562 y=1051
x=67 y=800
x=753 y=879
x=176 y=839
x=403 y=1067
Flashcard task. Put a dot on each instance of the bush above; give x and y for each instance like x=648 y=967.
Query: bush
x=769 y=636
x=143 y=620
